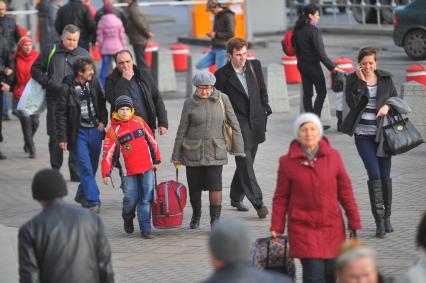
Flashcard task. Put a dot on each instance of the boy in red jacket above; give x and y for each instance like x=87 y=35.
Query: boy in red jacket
x=132 y=136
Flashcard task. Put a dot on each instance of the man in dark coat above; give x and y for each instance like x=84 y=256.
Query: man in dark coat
x=230 y=246
x=243 y=82
x=138 y=31
x=8 y=28
x=50 y=74
x=6 y=78
x=76 y=13
x=62 y=243
x=81 y=119
x=127 y=79
x=47 y=11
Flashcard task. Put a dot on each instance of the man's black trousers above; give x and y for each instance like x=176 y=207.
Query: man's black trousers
x=244 y=182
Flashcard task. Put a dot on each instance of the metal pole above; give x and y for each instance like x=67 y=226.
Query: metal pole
x=154 y=66
x=189 y=77
x=249 y=26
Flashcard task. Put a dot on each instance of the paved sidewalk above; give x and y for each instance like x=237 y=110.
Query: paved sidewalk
x=181 y=255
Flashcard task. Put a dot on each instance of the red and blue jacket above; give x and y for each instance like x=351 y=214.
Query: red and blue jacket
x=136 y=143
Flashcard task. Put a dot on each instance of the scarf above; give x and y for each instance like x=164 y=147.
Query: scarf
x=23 y=63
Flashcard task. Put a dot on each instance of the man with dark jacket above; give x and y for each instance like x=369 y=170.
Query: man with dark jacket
x=243 y=82
x=62 y=243
x=8 y=29
x=137 y=30
x=76 y=13
x=223 y=30
x=47 y=11
x=50 y=74
x=6 y=78
x=81 y=118
x=230 y=246
x=127 y=79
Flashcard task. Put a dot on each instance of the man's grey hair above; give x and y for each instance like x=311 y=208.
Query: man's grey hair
x=354 y=254
x=70 y=29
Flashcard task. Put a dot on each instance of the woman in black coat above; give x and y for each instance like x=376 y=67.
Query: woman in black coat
x=309 y=46
x=366 y=93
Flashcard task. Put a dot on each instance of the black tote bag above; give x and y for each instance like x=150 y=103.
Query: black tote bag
x=400 y=135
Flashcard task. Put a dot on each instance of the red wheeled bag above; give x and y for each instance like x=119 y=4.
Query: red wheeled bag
x=168 y=203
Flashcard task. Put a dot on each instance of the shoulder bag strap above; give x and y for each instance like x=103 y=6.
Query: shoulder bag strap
x=223 y=109
x=49 y=58
x=255 y=77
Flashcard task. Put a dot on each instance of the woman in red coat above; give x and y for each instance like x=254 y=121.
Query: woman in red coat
x=24 y=59
x=312 y=182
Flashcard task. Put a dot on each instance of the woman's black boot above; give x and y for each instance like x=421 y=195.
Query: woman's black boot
x=387 y=201
x=214 y=214
x=339 y=115
x=27 y=131
x=196 y=214
x=376 y=202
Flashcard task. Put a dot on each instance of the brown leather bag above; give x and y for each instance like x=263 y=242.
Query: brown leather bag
x=227 y=129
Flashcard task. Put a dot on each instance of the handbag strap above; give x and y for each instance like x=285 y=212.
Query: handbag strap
x=223 y=109
x=255 y=77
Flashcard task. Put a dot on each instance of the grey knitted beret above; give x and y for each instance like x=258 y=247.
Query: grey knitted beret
x=203 y=78
x=230 y=242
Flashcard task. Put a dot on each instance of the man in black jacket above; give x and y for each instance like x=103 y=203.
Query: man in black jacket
x=8 y=29
x=62 y=243
x=243 y=82
x=50 y=74
x=6 y=78
x=127 y=79
x=223 y=30
x=81 y=118
x=76 y=13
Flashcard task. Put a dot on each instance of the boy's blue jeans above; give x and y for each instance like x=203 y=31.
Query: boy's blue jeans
x=215 y=56
x=138 y=192
x=87 y=152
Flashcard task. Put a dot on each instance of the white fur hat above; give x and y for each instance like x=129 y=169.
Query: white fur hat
x=304 y=118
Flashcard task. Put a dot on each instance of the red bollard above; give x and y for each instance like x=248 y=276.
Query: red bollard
x=417 y=73
x=150 y=47
x=292 y=74
x=180 y=56
x=251 y=55
x=344 y=63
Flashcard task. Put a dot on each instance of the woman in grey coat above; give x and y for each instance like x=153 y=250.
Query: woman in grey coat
x=200 y=144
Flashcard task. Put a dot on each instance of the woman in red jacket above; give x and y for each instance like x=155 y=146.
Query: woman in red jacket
x=312 y=182
x=24 y=59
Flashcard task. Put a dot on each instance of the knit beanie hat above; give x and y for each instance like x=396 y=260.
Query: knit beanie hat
x=123 y=101
x=304 y=118
x=48 y=184
x=230 y=242
x=108 y=9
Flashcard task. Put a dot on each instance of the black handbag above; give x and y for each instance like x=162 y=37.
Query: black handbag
x=400 y=135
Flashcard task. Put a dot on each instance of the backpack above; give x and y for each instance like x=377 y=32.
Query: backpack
x=287 y=44
x=337 y=81
x=168 y=203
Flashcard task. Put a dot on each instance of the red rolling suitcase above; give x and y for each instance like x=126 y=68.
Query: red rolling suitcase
x=168 y=203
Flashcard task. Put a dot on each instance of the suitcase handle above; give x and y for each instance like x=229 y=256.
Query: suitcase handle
x=155 y=176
